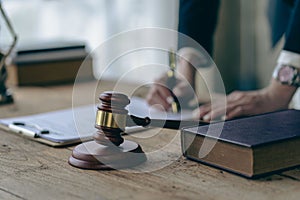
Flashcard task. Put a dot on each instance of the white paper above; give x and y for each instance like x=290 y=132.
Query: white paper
x=140 y=108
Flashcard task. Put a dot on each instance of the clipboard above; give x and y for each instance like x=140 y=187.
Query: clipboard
x=56 y=128
x=75 y=125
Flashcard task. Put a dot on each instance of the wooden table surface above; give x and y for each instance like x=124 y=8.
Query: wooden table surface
x=30 y=170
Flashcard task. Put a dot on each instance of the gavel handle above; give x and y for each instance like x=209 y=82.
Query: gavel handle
x=171 y=124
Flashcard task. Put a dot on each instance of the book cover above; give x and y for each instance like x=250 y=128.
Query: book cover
x=249 y=146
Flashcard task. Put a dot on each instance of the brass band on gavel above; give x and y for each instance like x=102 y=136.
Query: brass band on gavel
x=111 y=120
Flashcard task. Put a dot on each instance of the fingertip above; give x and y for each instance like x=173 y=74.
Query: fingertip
x=206 y=117
x=224 y=117
x=170 y=100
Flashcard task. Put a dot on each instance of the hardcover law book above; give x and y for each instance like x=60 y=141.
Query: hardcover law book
x=251 y=146
x=51 y=62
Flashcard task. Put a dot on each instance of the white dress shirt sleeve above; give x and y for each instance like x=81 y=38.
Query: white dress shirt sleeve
x=287 y=58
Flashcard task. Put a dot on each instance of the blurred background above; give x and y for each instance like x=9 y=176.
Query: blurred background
x=242 y=49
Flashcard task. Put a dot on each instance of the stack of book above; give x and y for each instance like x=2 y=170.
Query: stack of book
x=50 y=63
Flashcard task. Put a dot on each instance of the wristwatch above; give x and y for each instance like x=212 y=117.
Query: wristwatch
x=288 y=75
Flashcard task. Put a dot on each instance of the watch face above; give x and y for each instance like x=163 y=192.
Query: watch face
x=286 y=74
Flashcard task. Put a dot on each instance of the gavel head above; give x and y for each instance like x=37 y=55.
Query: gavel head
x=111 y=118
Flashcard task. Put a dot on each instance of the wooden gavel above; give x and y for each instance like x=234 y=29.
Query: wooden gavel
x=108 y=144
x=112 y=115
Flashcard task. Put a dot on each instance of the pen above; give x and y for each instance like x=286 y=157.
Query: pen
x=171 y=81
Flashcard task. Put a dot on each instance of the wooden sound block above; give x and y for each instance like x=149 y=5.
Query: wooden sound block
x=91 y=155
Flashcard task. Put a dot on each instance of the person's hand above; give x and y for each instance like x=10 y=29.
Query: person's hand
x=159 y=94
x=238 y=104
x=275 y=97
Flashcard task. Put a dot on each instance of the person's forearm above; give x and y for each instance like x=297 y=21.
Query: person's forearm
x=186 y=71
x=189 y=60
x=279 y=94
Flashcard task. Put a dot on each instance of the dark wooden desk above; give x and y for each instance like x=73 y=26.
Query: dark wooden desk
x=29 y=170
